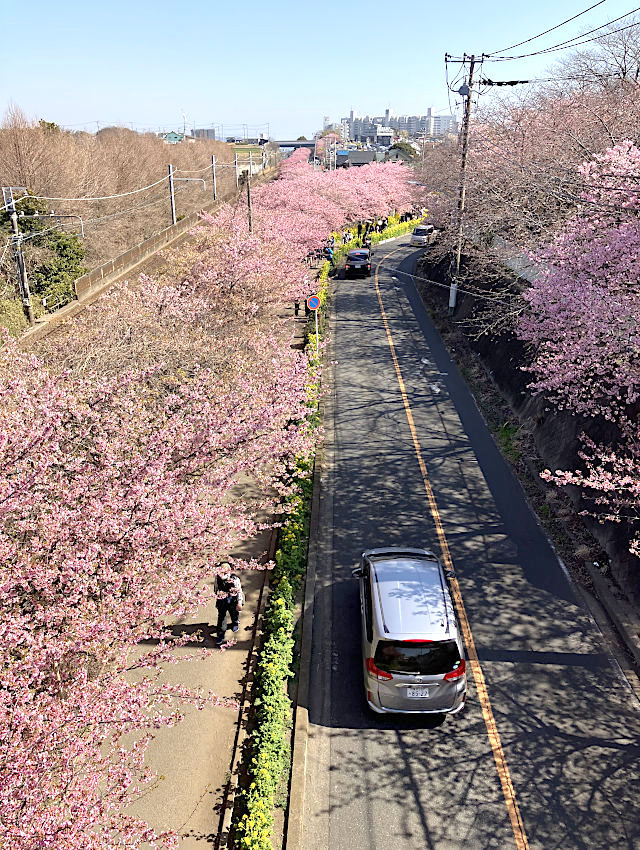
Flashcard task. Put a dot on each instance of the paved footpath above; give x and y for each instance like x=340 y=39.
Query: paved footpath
x=193 y=760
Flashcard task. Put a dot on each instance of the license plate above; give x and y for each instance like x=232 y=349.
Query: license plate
x=357 y=265
x=418 y=693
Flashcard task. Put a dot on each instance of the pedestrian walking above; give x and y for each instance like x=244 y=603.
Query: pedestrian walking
x=359 y=229
x=230 y=600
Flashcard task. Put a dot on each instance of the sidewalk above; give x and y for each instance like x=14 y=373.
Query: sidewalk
x=194 y=760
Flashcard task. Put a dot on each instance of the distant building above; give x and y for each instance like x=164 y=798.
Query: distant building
x=398 y=155
x=444 y=125
x=205 y=133
x=173 y=138
x=378 y=129
x=356 y=158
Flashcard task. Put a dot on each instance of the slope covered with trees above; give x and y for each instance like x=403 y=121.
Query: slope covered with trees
x=120 y=444
x=554 y=173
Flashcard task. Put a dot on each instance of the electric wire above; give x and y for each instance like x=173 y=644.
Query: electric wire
x=77 y=200
x=551 y=29
x=111 y=197
x=483 y=296
x=583 y=78
x=573 y=42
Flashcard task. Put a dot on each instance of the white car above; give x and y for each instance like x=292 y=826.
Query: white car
x=421 y=236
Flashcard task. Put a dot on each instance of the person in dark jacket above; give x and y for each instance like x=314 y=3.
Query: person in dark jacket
x=230 y=600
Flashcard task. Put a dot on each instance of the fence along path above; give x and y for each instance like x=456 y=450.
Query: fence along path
x=95 y=283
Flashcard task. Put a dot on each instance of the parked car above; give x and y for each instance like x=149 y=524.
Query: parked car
x=358 y=262
x=421 y=235
x=413 y=656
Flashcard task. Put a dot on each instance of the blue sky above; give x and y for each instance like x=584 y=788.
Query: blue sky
x=252 y=63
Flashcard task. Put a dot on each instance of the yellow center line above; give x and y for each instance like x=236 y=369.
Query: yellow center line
x=478 y=676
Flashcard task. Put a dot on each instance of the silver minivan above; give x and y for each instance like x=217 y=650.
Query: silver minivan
x=421 y=236
x=413 y=657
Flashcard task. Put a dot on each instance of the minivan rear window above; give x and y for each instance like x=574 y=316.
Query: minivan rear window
x=428 y=658
x=421 y=231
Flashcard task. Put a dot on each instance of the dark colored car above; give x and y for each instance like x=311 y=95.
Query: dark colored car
x=358 y=262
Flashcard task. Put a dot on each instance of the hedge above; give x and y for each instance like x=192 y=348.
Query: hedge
x=268 y=747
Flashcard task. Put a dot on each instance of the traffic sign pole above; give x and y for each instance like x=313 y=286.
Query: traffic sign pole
x=313 y=303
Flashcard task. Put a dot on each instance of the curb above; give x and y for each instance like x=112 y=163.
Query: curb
x=621 y=613
x=300 y=733
x=229 y=797
x=295 y=814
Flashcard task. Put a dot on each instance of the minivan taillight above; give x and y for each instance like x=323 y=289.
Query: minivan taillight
x=459 y=671
x=376 y=671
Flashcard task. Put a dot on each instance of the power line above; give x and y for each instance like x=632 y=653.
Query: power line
x=584 y=78
x=551 y=29
x=572 y=42
x=102 y=198
x=437 y=283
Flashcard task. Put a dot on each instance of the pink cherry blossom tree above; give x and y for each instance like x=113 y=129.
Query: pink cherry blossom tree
x=583 y=322
x=121 y=445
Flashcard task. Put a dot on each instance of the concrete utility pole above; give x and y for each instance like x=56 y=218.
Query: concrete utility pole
x=23 y=280
x=249 y=202
x=213 y=171
x=465 y=90
x=172 y=195
x=235 y=159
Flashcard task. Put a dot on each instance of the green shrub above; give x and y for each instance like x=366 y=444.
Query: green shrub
x=12 y=316
x=269 y=739
x=268 y=745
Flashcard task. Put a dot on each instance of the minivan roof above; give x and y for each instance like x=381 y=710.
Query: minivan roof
x=410 y=595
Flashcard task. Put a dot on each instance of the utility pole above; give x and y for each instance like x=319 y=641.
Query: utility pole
x=465 y=90
x=249 y=202
x=213 y=171
x=172 y=195
x=235 y=159
x=23 y=280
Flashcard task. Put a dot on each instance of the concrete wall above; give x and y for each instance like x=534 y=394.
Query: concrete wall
x=86 y=285
x=92 y=285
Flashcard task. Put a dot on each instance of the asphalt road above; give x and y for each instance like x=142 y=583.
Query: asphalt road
x=563 y=715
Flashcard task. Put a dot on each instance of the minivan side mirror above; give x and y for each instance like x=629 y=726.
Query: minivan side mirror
x=358 y=572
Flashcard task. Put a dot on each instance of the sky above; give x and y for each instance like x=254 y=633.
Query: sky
x=263 y=65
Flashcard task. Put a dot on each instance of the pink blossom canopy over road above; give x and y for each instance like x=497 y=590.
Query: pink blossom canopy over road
x=119 y=448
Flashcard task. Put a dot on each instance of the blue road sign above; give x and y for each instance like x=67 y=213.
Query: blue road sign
x=313 y=302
